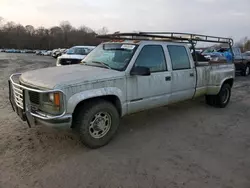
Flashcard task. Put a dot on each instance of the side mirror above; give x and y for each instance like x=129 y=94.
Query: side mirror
x=141 y=71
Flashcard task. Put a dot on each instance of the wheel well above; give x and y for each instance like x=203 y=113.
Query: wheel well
x=111 y=98
x=229 y=81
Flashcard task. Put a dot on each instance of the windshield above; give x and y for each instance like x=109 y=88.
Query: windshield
x=114 y=55
x=78 y=51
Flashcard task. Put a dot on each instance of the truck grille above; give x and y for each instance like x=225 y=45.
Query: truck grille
x=18 y=96
x=34 y=97
x=69 y=61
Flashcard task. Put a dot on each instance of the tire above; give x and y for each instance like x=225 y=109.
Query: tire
x=97 y=122
x=246 y=71
x=210 y=100
x=222 y=99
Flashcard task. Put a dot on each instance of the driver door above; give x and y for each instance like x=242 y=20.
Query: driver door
x=145 y=92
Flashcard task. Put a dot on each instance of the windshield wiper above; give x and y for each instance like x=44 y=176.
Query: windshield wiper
x=96 y=62
x=103 y=64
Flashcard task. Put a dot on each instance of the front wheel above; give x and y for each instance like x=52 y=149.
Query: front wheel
x=97 y=123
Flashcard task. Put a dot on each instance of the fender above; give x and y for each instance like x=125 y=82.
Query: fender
x=214 y=90
x=225 y=79
x=79 y=97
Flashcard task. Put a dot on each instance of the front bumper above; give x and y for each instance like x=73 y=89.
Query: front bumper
x=20 y=102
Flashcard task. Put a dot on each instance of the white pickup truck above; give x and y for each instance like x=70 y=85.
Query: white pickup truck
x=120 y=77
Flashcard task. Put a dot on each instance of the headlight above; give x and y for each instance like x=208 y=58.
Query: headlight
x=52 y=103
x=51 y=97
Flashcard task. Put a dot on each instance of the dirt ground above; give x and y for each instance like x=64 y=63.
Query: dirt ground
x=187 y=145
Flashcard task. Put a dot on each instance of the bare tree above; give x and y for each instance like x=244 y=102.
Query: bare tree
x=63 y=36
x=30 y=29
x=103 y=31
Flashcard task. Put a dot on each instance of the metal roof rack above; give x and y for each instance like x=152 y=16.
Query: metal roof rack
x=168 y=36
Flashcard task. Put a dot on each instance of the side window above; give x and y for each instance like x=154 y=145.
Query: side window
x=179 y=57
x=152 y=56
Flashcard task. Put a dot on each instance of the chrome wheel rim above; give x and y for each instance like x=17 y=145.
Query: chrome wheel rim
x=247 y=70
x=225 y=95
x=100 y=125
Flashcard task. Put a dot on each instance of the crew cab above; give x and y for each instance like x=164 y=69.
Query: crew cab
x=74 y=55
x=117 y=78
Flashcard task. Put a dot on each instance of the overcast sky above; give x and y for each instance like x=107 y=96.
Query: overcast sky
x=214 y=17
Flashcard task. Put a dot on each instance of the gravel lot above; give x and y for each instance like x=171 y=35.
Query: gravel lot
x=187 y=145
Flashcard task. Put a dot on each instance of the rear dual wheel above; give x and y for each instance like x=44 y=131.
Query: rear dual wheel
x=222 y=99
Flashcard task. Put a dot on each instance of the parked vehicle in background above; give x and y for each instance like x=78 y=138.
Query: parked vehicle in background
x=40 y=52
x=58 y=52
x=47 y=53
x=30 y=51
x=55 y=53
x=120 y=77
x=11 y=51
x=74 y=55
x=242 y=62
x=246 y=55
x=37 y=52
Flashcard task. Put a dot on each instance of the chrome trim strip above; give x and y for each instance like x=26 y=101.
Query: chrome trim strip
x=19 y=104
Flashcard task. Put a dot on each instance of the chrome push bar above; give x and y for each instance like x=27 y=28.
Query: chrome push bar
x=17 y=92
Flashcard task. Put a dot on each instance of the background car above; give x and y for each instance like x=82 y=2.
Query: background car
x=47 y=53
x=58 y=52
x=74 y=55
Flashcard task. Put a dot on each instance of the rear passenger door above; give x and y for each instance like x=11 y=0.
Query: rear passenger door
x=183 y=73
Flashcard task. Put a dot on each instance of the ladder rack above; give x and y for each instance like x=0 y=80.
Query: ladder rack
x=168 y=36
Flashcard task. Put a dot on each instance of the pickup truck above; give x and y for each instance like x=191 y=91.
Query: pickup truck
x=117 y=78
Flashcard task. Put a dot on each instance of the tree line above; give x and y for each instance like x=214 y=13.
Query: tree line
x=18 y=36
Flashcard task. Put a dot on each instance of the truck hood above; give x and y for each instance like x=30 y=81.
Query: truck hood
x=72 y=56
x=49 y=78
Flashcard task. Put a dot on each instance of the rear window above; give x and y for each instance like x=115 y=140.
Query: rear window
x=179 y=57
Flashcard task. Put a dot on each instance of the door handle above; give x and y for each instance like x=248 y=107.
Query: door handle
x=191 y=74
x=168 y=78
